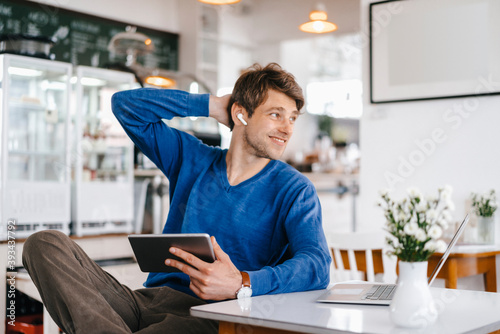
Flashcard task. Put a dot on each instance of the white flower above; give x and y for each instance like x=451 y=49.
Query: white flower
x=440 y=246
x=436 y=246
x=383 y=192
x=435 y=232
x=446 y=190
x=430 y=198
x=414 y=192
x=405 y=216
x=432 y=214
x=402 y=216
x=396 y=243
x=411 y=228
x=430 y=245
x=421 y=207
x=420 y=235
x=413 y=219
x=390 y=227
x=443 y=223
x=446 y=193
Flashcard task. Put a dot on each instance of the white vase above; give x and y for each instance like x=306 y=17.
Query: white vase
x=486 y=230
x=413 y=305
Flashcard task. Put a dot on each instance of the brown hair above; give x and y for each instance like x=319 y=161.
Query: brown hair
x=250 y=90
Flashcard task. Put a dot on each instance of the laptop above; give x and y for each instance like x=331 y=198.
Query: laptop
x=380 y=293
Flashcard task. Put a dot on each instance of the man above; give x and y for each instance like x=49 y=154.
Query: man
x=264 y=216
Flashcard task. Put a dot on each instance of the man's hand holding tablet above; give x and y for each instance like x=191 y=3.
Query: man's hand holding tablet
x=213 y=275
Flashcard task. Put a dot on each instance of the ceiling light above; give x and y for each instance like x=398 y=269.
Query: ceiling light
x=160 y=81
x=318 y=23
x=220 y=2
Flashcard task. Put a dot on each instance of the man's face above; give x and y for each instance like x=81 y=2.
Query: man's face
x=271 y=126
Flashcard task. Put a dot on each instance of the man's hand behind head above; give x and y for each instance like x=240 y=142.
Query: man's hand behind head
x=217 y=108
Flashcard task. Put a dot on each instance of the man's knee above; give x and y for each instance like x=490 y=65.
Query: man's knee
x=36 y=244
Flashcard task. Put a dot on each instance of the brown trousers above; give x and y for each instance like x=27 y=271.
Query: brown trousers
x=83 y=298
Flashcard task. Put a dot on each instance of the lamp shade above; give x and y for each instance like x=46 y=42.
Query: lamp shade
x=318 y=23
x=160 y=81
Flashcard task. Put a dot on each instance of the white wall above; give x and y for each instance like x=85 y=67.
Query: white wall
x=235 y=42
x=294 y=57
x=426 y=144
x=155 y=14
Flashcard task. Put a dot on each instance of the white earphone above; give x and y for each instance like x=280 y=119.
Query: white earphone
x=240 y=117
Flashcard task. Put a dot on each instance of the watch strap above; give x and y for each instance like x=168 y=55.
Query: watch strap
x=245 y=279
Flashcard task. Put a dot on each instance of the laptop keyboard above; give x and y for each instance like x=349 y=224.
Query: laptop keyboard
x=381 y=292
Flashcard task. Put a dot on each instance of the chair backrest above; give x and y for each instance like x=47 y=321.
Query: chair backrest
x=357 y=252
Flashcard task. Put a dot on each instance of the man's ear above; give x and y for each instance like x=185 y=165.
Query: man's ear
x=235 y=110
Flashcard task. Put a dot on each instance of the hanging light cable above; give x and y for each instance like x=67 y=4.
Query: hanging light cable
x=318 y=23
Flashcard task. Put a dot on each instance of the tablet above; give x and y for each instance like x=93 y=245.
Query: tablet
x=151 y=250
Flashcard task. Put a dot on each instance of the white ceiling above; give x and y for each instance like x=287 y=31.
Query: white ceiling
x=269 y=20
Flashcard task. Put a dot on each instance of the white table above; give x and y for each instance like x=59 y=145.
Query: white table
x=461 y=312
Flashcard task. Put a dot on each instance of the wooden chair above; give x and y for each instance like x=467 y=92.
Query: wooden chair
x=356 y=255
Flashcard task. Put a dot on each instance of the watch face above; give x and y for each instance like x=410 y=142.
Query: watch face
x=245 y=304
x=244 y=292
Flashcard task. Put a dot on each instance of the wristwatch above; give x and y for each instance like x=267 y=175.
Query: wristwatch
x=246 y=288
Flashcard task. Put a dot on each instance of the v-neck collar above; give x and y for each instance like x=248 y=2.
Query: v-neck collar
x=225 y=181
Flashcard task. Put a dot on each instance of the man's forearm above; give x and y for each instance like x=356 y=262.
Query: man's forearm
x=140 y=107
x=141 y=111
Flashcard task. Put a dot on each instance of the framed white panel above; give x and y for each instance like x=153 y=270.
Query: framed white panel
x=427 y=49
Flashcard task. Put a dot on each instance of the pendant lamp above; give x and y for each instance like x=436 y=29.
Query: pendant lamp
x=160 y=81
x=318 y=23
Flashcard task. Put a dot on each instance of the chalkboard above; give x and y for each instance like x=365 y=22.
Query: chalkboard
x=82 y=39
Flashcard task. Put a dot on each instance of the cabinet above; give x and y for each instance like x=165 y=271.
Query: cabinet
x=34 y=145
x=103 y=181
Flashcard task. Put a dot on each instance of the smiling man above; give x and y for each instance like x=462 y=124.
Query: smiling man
x=264 y=216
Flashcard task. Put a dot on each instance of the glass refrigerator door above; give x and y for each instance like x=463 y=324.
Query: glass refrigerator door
x=35 y=145
x=103 y=180
x=37 y=112
x=105 y=146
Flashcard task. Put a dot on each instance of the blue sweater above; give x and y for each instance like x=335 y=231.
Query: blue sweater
x=269 y=225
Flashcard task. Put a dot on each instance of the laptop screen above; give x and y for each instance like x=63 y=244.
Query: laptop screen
x=452 y=243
